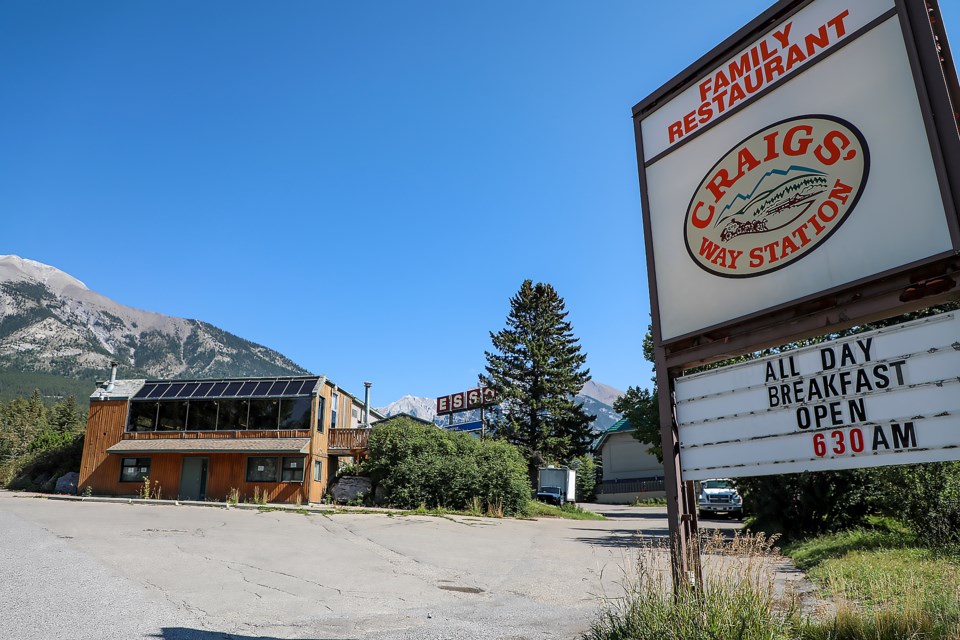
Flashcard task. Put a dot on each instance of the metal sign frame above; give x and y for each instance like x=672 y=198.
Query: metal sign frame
x=906 y=288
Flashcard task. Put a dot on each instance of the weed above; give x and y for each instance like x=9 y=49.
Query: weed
x=569 y=511
x=87 y=491
x=298 y=501
x=234 y=496
x=495 y=509
x=145 y=489
x=476 y=507
x=259 y=497
x=649 y=502
x=738 y=600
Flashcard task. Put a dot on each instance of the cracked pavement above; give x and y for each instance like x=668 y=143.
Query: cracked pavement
x=190 y=573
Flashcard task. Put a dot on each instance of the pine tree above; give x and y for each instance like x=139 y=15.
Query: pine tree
x=536 y=371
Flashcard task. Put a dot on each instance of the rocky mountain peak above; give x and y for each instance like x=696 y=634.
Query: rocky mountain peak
x=50 y=322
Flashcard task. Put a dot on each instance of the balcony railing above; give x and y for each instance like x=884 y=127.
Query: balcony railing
x=348 y=440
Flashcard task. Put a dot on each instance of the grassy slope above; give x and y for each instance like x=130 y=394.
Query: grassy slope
x=884 y=583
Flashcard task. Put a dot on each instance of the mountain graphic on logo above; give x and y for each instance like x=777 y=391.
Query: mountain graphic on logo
x=779 y=198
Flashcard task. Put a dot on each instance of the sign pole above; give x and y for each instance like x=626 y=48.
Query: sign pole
x=681 y=518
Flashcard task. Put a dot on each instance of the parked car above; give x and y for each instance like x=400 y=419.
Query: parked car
x=550 y=495
x=718 y=496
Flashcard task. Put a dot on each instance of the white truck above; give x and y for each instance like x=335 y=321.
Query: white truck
x=557 y=485
x=718 y=496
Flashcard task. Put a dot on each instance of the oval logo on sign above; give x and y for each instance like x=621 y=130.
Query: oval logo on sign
x=776 y=196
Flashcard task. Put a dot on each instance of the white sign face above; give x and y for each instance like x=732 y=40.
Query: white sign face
x=823 y=180
x=886 y=397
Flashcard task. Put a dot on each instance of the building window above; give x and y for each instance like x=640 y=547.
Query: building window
x=334 y=404
x=321 y=405
x=295 y=413
x=134 y=469
x=143 y=416
x=262 y=469
x=292 y=470
x=318 y=470
x=202 y=416
x=240 y=414
x=264 y=414
x=233 y=415
x=172 y=416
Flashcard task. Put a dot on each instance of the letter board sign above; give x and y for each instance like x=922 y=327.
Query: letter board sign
x=796 y=159
x=890 y=396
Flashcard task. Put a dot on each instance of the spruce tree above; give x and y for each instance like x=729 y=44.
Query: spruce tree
x=536 y=370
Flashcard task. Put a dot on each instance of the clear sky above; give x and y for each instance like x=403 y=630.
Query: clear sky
x=359 y=185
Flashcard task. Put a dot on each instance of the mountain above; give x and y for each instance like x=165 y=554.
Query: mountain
x=597 y=398
x=602 y=393
x=423 y=408
x=52 y=323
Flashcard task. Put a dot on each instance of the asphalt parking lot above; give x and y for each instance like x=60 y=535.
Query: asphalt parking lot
x=101 y=571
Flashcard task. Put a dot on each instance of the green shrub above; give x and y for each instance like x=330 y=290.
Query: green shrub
x=927 y=497
x=415 y=464
x=803 y=504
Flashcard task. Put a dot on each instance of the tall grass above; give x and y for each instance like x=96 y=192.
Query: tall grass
x=740 y=598
x=879 y=585
x=890 y=594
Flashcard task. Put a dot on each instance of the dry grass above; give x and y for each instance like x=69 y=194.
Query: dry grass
x=740 y=598
x=907 y=593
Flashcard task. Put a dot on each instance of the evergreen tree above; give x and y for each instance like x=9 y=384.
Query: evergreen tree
x=641 y=407
x=66 y=415
x=536 y=371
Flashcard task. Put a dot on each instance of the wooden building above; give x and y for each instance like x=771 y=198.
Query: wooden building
x=280 y=437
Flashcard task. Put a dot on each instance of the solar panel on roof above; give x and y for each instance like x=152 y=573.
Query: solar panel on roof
x=157 y=391
x=144 y=390
x=217 y=390
x=203 y=389
x=262 y=389
x=232 y=389
x=173 y=391
x=194 y=389
x=280 y=386
x=189 y=390
x=308 y=387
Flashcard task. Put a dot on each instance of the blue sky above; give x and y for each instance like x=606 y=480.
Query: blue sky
x=361 y=186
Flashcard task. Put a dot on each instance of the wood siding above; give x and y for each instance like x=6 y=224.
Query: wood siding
x=318 y=445
x=225 y=471
x=105 y=423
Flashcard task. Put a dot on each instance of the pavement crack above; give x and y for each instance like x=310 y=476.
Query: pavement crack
x=278 y=573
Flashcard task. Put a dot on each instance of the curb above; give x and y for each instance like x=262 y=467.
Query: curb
x=182 y=503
